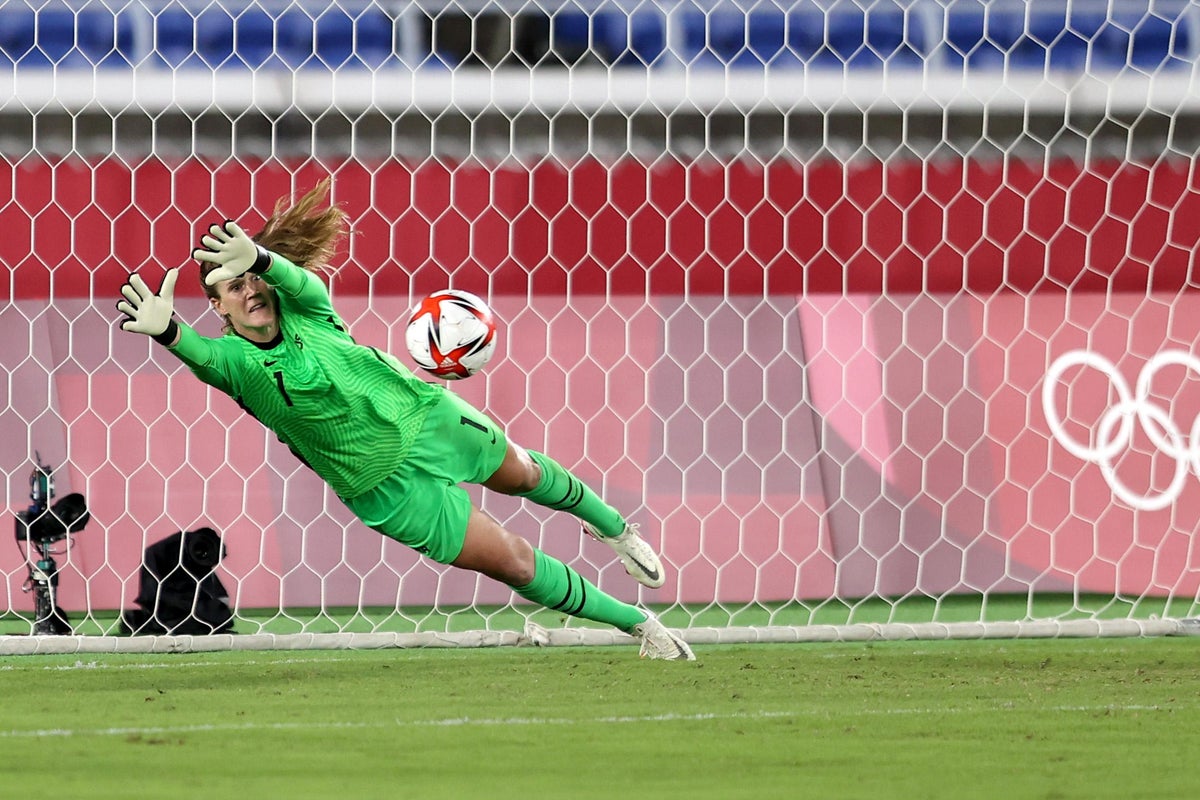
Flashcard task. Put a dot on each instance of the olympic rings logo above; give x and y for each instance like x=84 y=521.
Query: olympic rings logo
x=1114 y=433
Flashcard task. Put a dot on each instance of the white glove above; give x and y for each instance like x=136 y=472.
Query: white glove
x=232 y=251
x=147 y=312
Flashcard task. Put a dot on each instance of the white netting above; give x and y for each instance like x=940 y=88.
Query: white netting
x=872 y=313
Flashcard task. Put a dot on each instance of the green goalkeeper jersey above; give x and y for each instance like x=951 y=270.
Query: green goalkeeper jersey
x=349 y=411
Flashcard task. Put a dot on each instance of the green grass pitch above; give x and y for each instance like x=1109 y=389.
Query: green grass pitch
x=1013 y=719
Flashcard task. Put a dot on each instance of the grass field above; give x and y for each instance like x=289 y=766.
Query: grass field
x=1013 y=719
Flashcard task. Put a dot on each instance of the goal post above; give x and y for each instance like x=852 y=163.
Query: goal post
x=877 y=316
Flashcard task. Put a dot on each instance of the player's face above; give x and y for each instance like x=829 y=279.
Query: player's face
x=251 y=306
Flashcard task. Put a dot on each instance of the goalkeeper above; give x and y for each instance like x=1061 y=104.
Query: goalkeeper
x=393 y=447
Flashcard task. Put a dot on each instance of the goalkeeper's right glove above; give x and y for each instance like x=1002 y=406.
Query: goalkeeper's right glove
x=150 y=313
x=232 y=251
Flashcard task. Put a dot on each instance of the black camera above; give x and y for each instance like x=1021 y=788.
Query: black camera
x=38 y=527
x=43 y=523
x=179 y=591
x=202 y=550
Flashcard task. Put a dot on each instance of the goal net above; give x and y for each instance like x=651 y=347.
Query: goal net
x=878 y=317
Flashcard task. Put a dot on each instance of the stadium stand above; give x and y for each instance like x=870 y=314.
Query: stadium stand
x=933 y=34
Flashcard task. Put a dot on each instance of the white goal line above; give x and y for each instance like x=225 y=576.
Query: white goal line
x=574 y=637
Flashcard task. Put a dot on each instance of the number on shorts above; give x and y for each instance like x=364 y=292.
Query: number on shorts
x=470 y=423
x=473 y=424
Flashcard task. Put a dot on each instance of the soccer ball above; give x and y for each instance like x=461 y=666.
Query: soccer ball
x=451 y=334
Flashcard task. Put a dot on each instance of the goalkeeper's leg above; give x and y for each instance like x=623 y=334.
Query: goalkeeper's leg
x=490 y=549
x=541 y=479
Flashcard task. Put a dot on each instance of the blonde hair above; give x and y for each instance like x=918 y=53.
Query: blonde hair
x=299 y=232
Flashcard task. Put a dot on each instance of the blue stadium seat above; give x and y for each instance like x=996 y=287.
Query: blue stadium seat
x=254 y=38
x=805 y=39
x=1068 y=38
x=571 y=36
x=375 y=42
x=18 y=36
x=1001 y=36
x=766 y=40
x=846 y=39
x=635 y=39
x=1026 y=39
x=997 y=35
x=647 y=37
x=843 y=37
x=60 y=37
x=851 y=37
x=889 y=40
x=96 y=40
x=343 y=40
x=1147 y=42
x=334 y=38
x=751 y=40
x=968 y=45
x=1053 y=38
x=976 y=34
x=56 y=40
x=725 y=28
x=1072 y=50
x=214 y=37
x=1159 y=42
x=124 y=52
x=175 y=36
x=294 y=31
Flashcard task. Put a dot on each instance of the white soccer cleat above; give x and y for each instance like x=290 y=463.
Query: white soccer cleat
x=661 y=643
x=638 y=557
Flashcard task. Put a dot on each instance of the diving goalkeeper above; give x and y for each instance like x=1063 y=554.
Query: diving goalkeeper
x=393 y=447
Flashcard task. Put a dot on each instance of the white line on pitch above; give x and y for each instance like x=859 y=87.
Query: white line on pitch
x=86 y=665
x=451 y=722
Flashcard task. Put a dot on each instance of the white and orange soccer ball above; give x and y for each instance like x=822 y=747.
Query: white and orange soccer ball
x=451 y=334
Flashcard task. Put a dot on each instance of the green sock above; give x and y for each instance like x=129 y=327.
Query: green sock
x=562 y=491
x=560 y=588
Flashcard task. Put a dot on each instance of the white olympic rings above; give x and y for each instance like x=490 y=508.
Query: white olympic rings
x=1115 y=430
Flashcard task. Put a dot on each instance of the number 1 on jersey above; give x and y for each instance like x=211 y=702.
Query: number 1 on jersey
x=282 y=390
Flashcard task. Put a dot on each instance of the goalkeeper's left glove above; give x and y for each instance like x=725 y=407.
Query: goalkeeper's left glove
x=232 y=251
x=150 y=313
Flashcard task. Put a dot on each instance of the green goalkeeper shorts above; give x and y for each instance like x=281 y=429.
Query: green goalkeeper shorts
x=421 y=504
